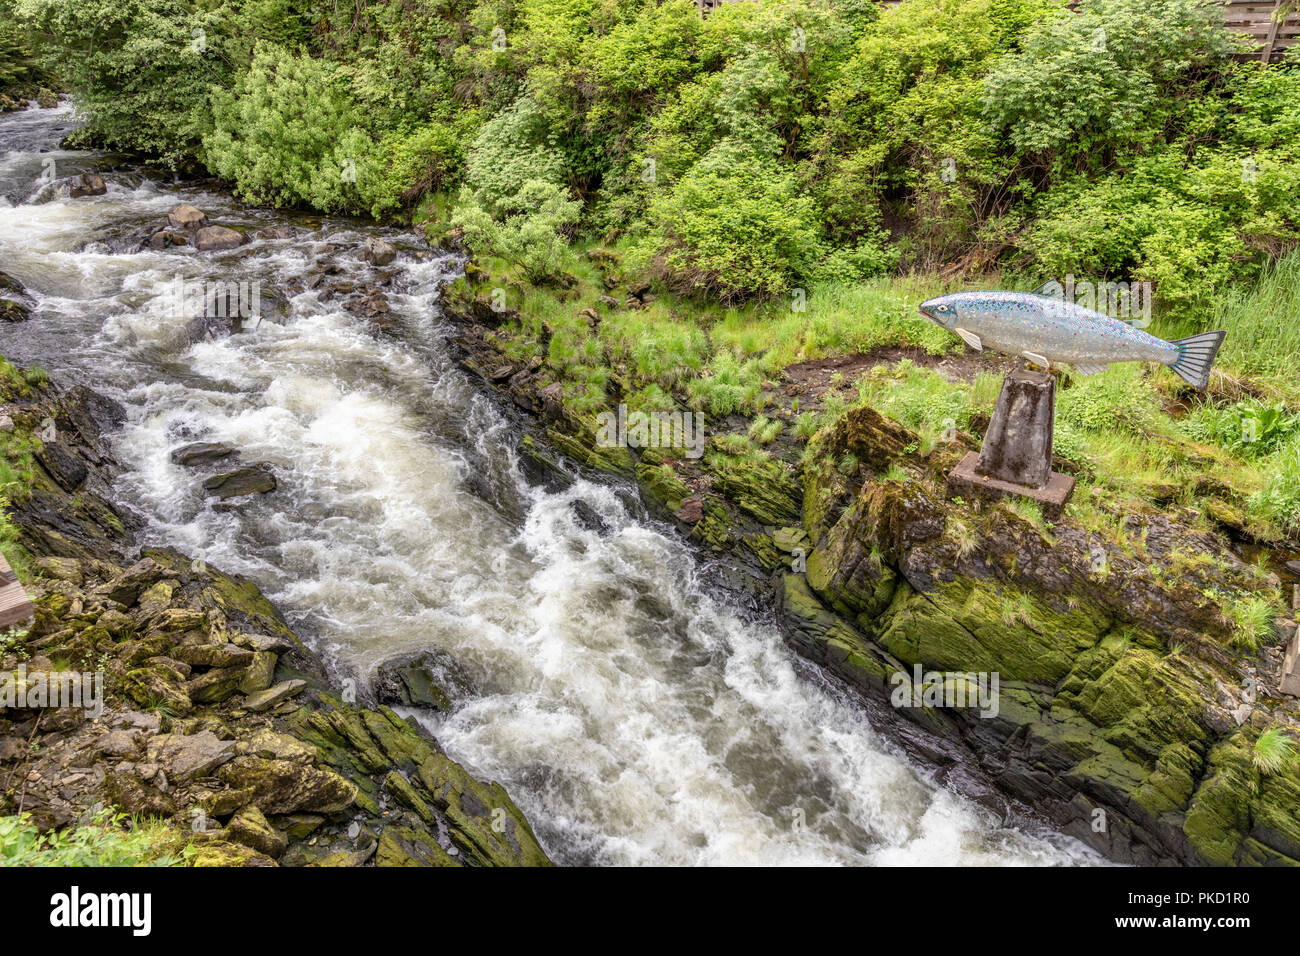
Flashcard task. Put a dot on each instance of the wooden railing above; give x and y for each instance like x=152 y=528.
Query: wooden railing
x=1274 y=24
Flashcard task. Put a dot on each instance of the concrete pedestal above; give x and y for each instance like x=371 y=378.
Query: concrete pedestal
x=1289 y=679
x=1016 y=457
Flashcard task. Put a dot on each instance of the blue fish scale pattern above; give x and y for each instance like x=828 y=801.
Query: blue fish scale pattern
x=1017 y=322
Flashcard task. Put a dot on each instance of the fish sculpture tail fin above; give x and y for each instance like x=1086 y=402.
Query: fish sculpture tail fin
x=1196 y=354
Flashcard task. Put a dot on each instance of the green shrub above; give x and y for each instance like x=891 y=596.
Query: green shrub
x=1104 y=77
x=735 y=227
x=533 y=240
x=140 y=73
x=1249 y=428
x=513 y=148
x=1118 y=401
x=288 y=134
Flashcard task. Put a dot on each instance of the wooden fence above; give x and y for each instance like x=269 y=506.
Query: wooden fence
x=1274 y=24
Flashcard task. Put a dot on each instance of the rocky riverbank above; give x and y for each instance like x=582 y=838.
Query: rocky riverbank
x=215 y=716
x=1133 y=711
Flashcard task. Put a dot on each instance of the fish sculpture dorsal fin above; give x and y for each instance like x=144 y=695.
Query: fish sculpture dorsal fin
x=971 y=339
x=1050 y=289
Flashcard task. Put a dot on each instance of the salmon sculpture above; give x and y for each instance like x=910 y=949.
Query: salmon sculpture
x=1047 y=329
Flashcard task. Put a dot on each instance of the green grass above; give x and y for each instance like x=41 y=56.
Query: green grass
x=838 y=319
x=920 y=398
x=1263 y=334
x=1273 y=751
x=1252 y=621
x=1277 y=503
x=106 y=839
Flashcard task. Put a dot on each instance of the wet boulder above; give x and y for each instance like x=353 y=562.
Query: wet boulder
x=186 y=217
x=429 y=679
x=217 y=239
x=275 y=232
x=377 y=252
x=11 y=311
x=253 y=480
x=201 y=453
x=165 y=239
x=9 y=284
x=63 y=466
x=86 y=184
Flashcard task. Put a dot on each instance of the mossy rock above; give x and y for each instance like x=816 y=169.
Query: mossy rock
x=759 y=486
x=1241 y=815
x=969 y=625
x=583 y=448
x=224 y=853
x=661 y=486
x=829 y=640
x=404 y=846
x=486 y=824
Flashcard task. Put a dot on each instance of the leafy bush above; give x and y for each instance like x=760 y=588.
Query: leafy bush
x=21 y=76
x=1115 y=402
x=287 y=133
x=533 y=240
x=735 y=227
x=139 y=70
x=1110 y=75
x=1249 y=428
x=514 y=148
x=406 y=165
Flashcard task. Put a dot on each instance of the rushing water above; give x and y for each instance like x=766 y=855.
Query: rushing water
x=635 y=716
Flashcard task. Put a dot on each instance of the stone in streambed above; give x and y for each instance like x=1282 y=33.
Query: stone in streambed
x=274 y=232
x=86 y=184
x=165 y=239
x=253 y=480
x=11 y=311
x=428 y=679
x=201 y=453
x=217 y=239
x=377 y=252
x=186 y=217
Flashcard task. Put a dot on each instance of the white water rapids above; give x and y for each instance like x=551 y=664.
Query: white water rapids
x=633 y=715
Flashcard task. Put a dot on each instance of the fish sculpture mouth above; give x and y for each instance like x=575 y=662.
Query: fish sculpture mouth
x=938 y=311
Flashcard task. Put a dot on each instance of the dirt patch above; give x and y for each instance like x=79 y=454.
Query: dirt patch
x=809 y=381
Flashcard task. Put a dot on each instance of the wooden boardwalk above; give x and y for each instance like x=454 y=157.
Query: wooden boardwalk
x=15 y=606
